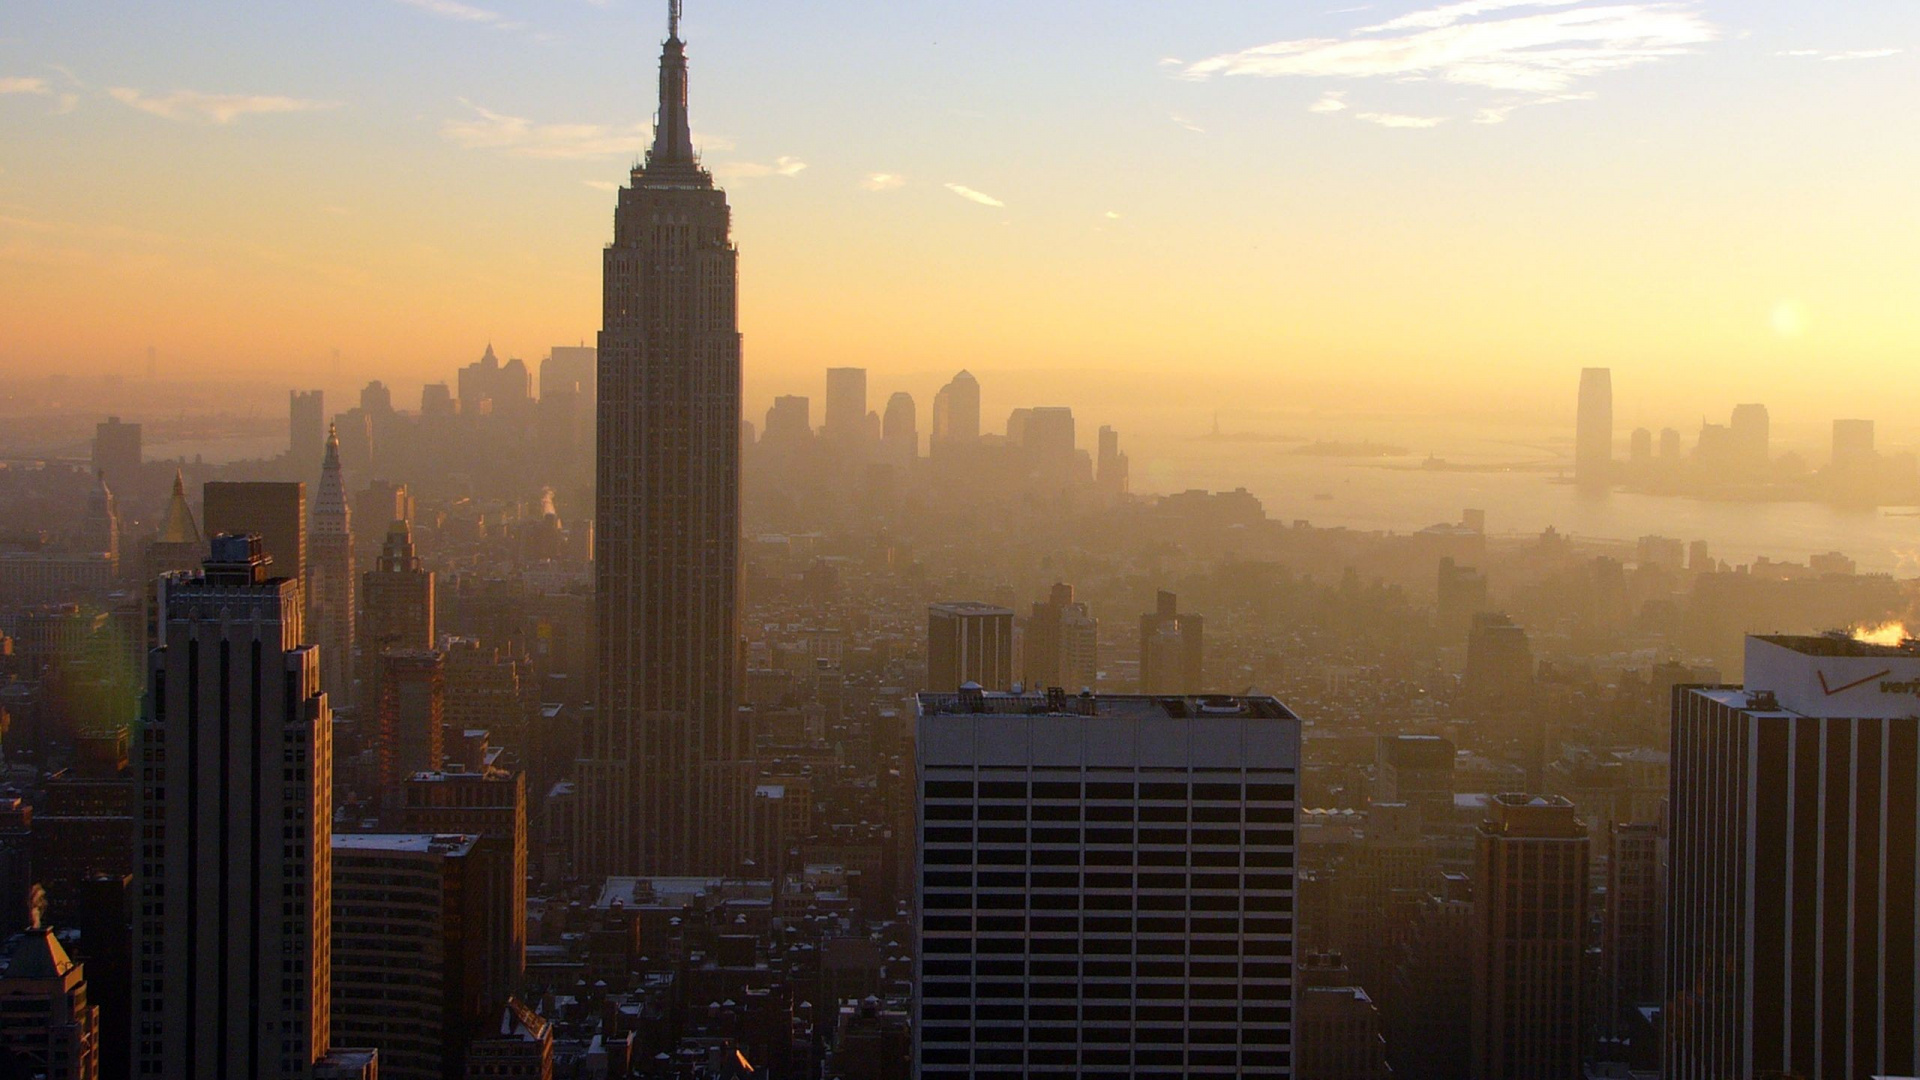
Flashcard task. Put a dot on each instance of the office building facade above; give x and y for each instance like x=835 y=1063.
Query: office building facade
x=969 y=643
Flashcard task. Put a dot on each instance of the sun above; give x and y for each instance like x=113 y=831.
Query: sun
x=1789 y=319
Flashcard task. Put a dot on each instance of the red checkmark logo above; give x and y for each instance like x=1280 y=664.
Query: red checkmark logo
x=1832 y=690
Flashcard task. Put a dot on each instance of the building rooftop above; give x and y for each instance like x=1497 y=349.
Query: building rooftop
x=969 y=607
x=974 y=702
x=1840 y=645
x=417 y=843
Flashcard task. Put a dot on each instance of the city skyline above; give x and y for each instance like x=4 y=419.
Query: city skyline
x=352 y=178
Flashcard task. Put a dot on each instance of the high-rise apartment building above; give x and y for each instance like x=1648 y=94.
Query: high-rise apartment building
x=49 y=1029
x=1107 y=885
x=1416 y=770
x=1593 y=430
x=411 y=714
x=330 y=601
x=275 y=512
x=409 y=972
x=234 y=867
x=1792 y=899
x=396 y=612
x=969 y=643
x=660 y=791
x=306 y=428
x=1529 y=940
x=1172 y=647
x=1633 y=927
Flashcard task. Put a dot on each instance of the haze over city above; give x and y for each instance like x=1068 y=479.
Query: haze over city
x=593 y=540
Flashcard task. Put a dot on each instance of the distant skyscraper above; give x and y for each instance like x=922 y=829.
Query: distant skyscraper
x=1111 y=467
x=659 y=793
x=1791 y=899
x=1669 y=445
x=306 y=428
x=1529 y=940
x=1061 y=645
x=236 y=808
x=48 y=1028
x=569 y=367
x=956 y=411
x=100 y=527
x=1417 y=770
x=1593 y=435
x=330 y=602
x=845 y=422
x=900 y=431
x=275 y=512
x=117 y=452
x=1852 y=444
x=1052 y=949
x=789 y=422
x=1499 y=659
x=1172 y=647
x=411 y=714
x=1752 y=435
x=969 y=642
x=1640 y=447
x=397 y=607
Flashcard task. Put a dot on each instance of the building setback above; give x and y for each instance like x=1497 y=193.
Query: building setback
x=1107 y=885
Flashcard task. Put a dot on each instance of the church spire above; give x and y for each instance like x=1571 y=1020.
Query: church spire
x=672 y=134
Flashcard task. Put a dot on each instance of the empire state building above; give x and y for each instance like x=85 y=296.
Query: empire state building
x=661 y=784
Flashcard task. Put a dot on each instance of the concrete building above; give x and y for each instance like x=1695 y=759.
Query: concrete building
x=1792 y=900
x=234 y=868
x=969 y=643
x=1059 y=939
x=1529 y=940
x=117 y=452
x=408 y=965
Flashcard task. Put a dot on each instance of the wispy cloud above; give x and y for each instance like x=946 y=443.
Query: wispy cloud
x=1521 y=50
x=752 y=170
x=602 y=185
x=1188 y=124
x=17 y=84
x=453 y=9
x=1332 y=101
x=193 y=105
x=883 y=181
x=1850 y=54
x=971 y=195
x=1400 y=120
x=1113 y=215
x=521 y=137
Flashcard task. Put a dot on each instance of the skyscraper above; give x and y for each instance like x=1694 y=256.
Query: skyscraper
x=956 y=411
x=306 y=428
x=492 y=805
x=969 y=643
x=1751 y=433
x=397 y=613
x=1529 y=939
x=117 y=452
x=900 y=431
x=845 y=422
x=1050 y=947
x=236 y=811
x=1791 y=895
x=1852 y=444
x=1062 y=643
x=47 y=1026
x=1593 y=430
x=1111 y=466
x=330 y=604
x=657 y=791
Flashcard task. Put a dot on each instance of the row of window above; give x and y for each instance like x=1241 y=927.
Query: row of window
x=1107 y=969
x=1106 y=924
x=1122 y=1013
x=1263 y=1035
x=1040 y=834
x=1108 y=901
x=1277 y=992
x=1172 y=813
x=1181 y=945
x=1107 y=789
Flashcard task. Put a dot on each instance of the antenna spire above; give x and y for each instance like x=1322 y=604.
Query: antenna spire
x=673 y=19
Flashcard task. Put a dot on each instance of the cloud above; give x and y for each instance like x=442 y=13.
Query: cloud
x=1497 y=114
x=602 y=185
x=883 y=181
x=1332 y=101
x=453 y=9
x=192 y=105
x=1851 y=54
x=1400 y=120
x=971 y=195
x=1188 y=124
x=18 y=84
x=1113 y=215
x=1522 y=50
x=521 y=137
x=753 y=170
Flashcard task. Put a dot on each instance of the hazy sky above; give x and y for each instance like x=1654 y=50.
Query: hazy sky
x=1353 y=205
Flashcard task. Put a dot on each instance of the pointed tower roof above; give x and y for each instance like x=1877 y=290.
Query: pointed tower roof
x=178 y=527
x=672 y=132
x=38 y=955
x=331 y=516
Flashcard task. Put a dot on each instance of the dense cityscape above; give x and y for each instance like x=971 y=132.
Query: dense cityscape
x=571 y=723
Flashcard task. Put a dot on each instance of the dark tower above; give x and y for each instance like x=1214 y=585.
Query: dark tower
x=658 y=786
